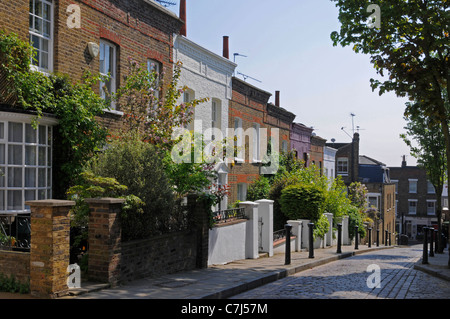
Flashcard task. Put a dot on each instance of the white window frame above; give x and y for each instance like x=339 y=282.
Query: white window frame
x=256 y=143
x=340 y=161
x=154 y=65
x=374 y=195
x=238 y=135
x=409 y=206
x=410 y=183
x=242 y=192
x=33 y=32
x=216 y=113
x=284 y=146
x=430 y=188
x=431 y=201
x=113 y=72
x=34 y=186
x=395 y=181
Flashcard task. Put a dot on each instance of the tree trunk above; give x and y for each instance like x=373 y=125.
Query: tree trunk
x=445 y=130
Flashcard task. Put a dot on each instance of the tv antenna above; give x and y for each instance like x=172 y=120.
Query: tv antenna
x=165 y=3
x=238 y=54
x=342 y=128
x=247 y=77
x=353 y=124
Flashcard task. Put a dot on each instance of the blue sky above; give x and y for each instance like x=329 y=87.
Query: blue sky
x=288 y=49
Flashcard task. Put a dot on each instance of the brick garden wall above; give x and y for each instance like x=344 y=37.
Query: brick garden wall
x=15 y=263
x=158 y=255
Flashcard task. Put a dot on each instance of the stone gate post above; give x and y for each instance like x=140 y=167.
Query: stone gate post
x=104 y=239
x=50 y=247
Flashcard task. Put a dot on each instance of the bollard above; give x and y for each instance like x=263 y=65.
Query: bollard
x=431 y=241
x=436 y=242
x=287 y=259
x=339 y=243
x=425 y=246
x=378 y=237
x=386 y=237
x=370 y=237
x=356 y=237
x=311 y=240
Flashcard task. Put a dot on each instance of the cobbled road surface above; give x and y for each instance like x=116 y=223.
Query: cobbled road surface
x=354 y=278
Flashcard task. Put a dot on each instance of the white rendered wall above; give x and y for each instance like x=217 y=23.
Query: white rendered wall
x=208 y=75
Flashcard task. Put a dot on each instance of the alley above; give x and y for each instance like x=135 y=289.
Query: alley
x=356 y=278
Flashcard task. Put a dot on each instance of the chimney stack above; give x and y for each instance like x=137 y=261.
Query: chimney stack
x=183 y=17
x=277 y=98
x=404 y=161
x=226 y=48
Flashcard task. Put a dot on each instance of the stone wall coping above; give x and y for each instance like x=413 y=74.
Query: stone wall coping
x=50 y=202
x=105 y=200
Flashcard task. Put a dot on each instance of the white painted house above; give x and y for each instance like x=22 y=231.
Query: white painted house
x=207 y=75
x=329 y=160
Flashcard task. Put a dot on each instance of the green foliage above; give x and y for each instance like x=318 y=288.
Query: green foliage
x=186 y=178
x=302 y=201
x=138 y=166
x=357 y=193
x=410 y=50
x=12 y=285
x=90 y=186
x=154 y=118
x=355 y=218
x=336 y=200
x=259 y=189
x=75 y=105
x=208 y=201
x=321 y=227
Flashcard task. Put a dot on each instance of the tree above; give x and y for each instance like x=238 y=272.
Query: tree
x=430 y=154
x=411 y=45
x=153 y=118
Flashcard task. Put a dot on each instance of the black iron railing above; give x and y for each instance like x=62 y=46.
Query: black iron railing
x=279 y=234
x=15 y=232
x=227 y=215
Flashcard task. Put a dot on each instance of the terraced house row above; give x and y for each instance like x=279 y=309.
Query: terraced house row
x=100 y=36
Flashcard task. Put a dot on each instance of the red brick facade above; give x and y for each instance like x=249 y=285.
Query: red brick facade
x=139 y=29
x=250 y=105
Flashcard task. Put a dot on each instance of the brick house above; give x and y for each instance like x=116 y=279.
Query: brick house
x=246 y=111
x=317 y=151
x=347 y=159
x=381 y=193
x=416 y=200
x=71 y=37
x=301 y=141
x=278 y=117
x=250 y=111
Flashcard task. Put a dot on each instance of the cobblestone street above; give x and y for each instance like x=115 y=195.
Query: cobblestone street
x=348 y=279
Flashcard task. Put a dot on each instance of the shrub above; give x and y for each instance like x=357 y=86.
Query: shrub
x=137 y=165
x=355 y=218
x=302 y=201
x=321 y=227
x=279 y=183
x=259 y=189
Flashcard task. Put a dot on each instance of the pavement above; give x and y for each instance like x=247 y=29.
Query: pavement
x=438 y=266
x=225 y=281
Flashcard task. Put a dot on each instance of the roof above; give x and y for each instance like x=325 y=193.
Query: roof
x=365 y=160
x=162 y=9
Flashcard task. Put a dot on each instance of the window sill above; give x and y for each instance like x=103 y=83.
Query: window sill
x=113 y=112
x=238 y=160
